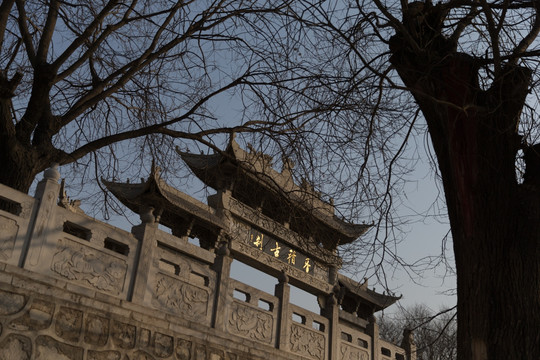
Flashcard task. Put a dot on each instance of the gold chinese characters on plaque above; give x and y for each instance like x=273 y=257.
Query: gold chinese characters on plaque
x=280 y=251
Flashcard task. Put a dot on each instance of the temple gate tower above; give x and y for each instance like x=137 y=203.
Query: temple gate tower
x=260 y=217
x=76 y=288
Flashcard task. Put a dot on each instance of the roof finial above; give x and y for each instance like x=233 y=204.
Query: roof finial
x=155 y=170
x=288 y=164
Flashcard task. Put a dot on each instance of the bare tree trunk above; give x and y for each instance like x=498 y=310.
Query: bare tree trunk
x=495 y=221
x=25 y=146
x=19 y=163
x=18 y=168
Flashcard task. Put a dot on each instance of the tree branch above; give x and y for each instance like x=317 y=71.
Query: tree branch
x=126 y=72
x=494 y=35
x=152 y=129
x=5 y=9
x=27 y=38
x=48 y=31
x=81 y=39
x=398 y=25
x=529 y=38
x=462 y=24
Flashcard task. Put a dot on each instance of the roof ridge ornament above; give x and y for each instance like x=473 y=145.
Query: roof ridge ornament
x=255 y=155
x=67 y=203
x=155 y=171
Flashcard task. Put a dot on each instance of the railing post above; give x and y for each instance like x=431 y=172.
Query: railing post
x=146 y=234
x=408 y=344
x=373 y=330
x=222 y=266
x=331 y=312
x=283 y=292
x=36 y=249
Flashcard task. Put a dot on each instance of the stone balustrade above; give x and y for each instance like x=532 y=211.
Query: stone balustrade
x=390 y=351
x=77 y=287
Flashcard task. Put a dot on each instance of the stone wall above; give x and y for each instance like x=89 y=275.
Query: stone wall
x=40 y=319
x=73 y=288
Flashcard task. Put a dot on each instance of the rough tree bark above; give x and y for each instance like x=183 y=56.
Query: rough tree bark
x=25 y=151
x=495 y=220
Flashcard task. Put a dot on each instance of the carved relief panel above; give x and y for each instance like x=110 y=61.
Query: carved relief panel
x=250 y=323
x=307 y=342
x=89 y=267
x=348 y=352
x=181 y=297
x=181 y=284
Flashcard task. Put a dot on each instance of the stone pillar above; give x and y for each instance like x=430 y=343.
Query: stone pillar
x=222 y=266
x=37 y=248
x=333 y=273
x=146 y=234
x=283 y=293
x=331 y=312
x=373 y=330
x=408 y=344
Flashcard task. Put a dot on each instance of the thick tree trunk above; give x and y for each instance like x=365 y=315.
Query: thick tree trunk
x=21 y=160
x=19 y=168
x=20 y=164
x=495 y=221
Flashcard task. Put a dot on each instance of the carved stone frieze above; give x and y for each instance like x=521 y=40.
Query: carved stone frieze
x=69 y=324
x=200 y=353
x=16 y=347
x=48 y=348
x=96 y=330
x=215 y=354
x=163 y=345
x=250 y=323
x=11 y=303
x=178 y=296
x=8 y=235
x=307 y=342
x=123 y=335
x=38 y=317
x=349 y=352
x=183 y=349
x=88 y=266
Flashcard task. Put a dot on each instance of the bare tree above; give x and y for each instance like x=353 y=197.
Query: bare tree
x=435 y=335
x=107 y=86
x=469 y=67
x=79 y=78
